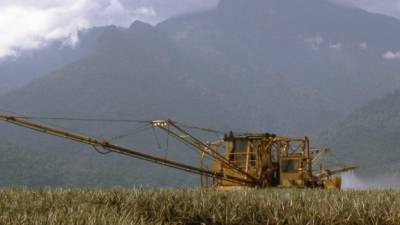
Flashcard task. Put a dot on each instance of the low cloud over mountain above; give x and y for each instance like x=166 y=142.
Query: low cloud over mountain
x=32 y=24
x=387 y=7
x=35 y=23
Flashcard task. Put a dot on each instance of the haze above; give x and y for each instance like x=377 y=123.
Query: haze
x=28 y=24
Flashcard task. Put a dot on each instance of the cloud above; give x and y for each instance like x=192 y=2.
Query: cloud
x=315 y=42
x=169 y=8
x=392 y=55
x=28 y=24
x=363 y=46
x=117 y=14
x=387 y=7
x=336 y=46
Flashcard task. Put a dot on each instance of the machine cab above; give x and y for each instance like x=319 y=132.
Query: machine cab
x=274 y=161
x=292 y=170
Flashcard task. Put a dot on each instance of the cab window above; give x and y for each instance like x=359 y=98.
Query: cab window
x=290 y=165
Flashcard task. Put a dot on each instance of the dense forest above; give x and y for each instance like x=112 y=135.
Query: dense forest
x=293 y=68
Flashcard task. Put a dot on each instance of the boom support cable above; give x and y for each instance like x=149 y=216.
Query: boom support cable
x=120 y=149
x=198 y=145
x=82 y=119
x=130 y=133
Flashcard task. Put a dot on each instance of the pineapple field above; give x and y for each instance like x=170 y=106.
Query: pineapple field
x=197 y=206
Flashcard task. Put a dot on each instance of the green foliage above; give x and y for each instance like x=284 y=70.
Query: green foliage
x=32 y=64
x=195 y=206
x=245 y=67
x=38 y=168
x=369 y=136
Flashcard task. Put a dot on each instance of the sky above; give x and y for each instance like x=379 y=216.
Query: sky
x=31 y=24
x=387 y=7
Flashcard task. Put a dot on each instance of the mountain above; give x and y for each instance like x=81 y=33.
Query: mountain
x=32 y=64
x=134 y=73
x=324 y=50
x=264 y=66
x=369 y=136
x=37 y=167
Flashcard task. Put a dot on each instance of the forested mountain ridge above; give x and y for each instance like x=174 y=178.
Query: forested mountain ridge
x=28 y=65
x=369 y=136
x=261 y=66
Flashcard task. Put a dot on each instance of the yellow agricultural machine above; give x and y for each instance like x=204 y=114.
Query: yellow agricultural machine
x=260 y=160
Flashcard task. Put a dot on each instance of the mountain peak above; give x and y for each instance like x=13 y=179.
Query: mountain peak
x=140 y=25
x=240 y=4
x=271 y=5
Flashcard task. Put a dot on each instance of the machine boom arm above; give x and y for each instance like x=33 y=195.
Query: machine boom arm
x=116 y=148
x=166 y=126
x=330 y=172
